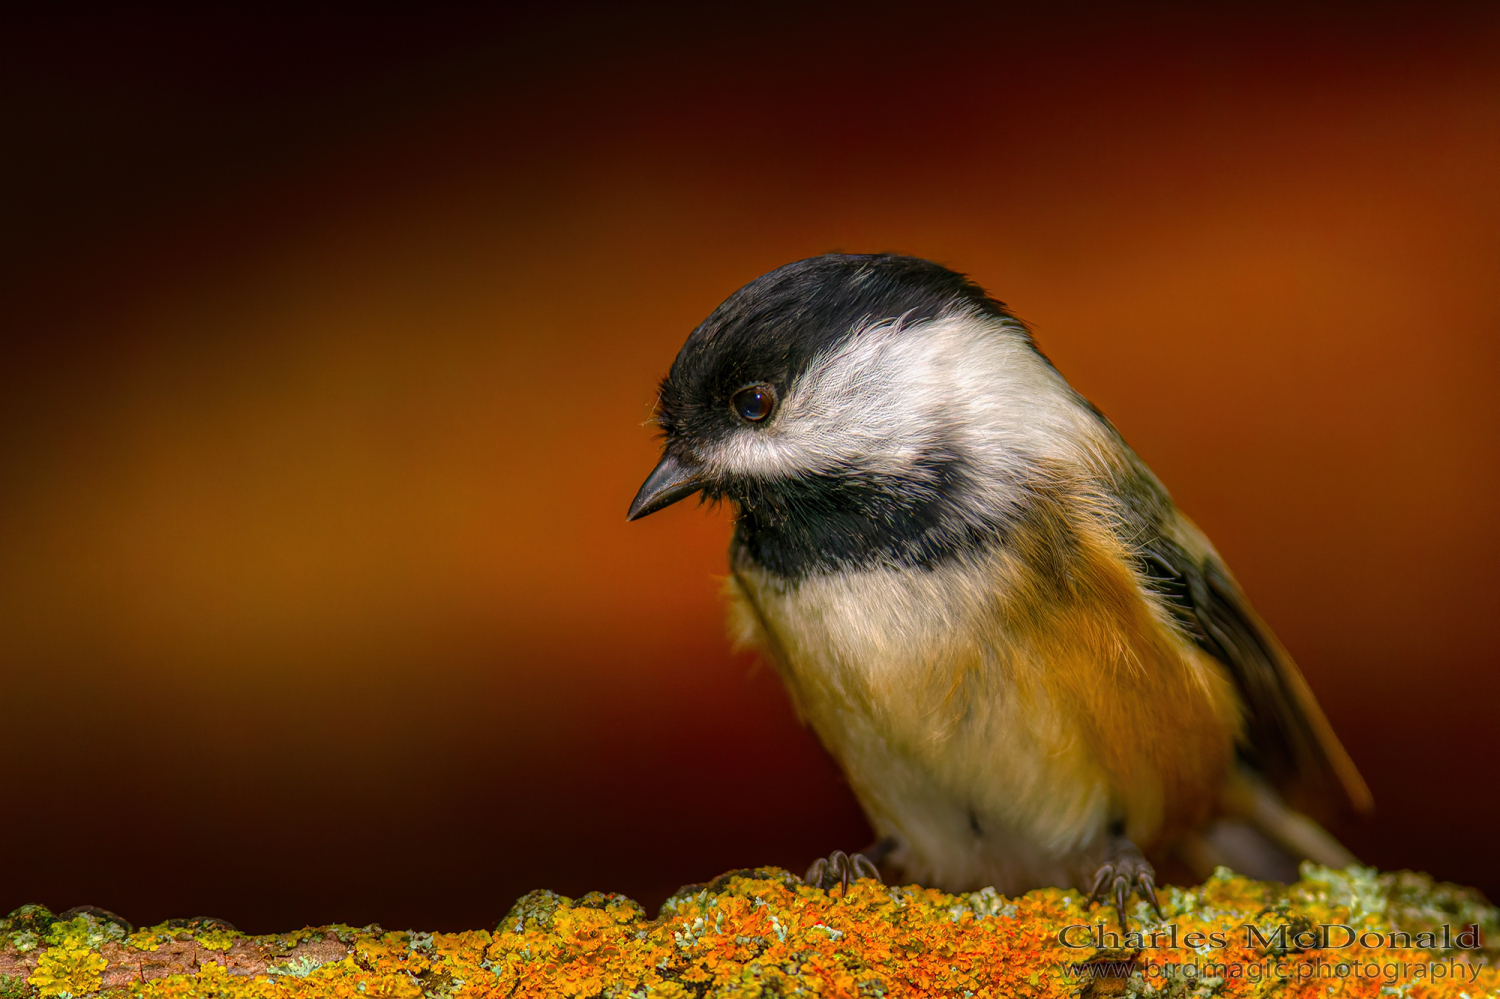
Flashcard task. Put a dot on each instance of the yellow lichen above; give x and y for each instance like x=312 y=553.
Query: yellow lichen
x=763 y=933
x=68 y=969
x=216 y=938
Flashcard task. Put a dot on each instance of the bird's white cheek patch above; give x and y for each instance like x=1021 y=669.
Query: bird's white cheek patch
x=891 y=395
x=876 y=404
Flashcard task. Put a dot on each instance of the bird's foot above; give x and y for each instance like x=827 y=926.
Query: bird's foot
x=839 y=868
x=1124 y=872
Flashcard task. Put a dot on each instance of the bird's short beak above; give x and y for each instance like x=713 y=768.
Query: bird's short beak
x=672 y=479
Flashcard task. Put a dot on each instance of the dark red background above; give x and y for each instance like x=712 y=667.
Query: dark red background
x=329 y=337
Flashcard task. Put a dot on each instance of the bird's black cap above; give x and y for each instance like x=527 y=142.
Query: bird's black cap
x=771 y=328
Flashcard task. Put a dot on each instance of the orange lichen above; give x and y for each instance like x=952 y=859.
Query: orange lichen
x=764 y=933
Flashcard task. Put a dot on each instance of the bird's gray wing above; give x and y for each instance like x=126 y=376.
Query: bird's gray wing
x=1288 y=739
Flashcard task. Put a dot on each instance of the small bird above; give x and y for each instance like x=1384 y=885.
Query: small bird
x=1032 y=668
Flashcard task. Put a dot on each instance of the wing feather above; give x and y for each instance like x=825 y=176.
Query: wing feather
x=1289 y=739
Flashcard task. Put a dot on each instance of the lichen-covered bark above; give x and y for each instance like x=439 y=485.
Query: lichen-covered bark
x=763 y=933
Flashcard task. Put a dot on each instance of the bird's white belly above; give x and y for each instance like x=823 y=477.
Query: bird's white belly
x=928 y=706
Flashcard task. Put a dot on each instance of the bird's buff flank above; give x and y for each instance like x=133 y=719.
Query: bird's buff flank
x=1032 y=668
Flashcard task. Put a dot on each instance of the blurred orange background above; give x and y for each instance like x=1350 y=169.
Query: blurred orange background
x=330 y=339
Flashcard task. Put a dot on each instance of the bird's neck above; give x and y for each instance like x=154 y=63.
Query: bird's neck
x=852 y=520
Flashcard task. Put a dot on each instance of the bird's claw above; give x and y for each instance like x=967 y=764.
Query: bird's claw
x=1119 y=876
x=839 y=868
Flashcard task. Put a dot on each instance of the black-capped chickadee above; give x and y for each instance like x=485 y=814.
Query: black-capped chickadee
x=1029 y=664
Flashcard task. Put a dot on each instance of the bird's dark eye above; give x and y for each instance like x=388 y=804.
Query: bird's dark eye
x=754 y=402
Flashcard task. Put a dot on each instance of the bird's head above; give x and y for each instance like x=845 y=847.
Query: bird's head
x=842 y=402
